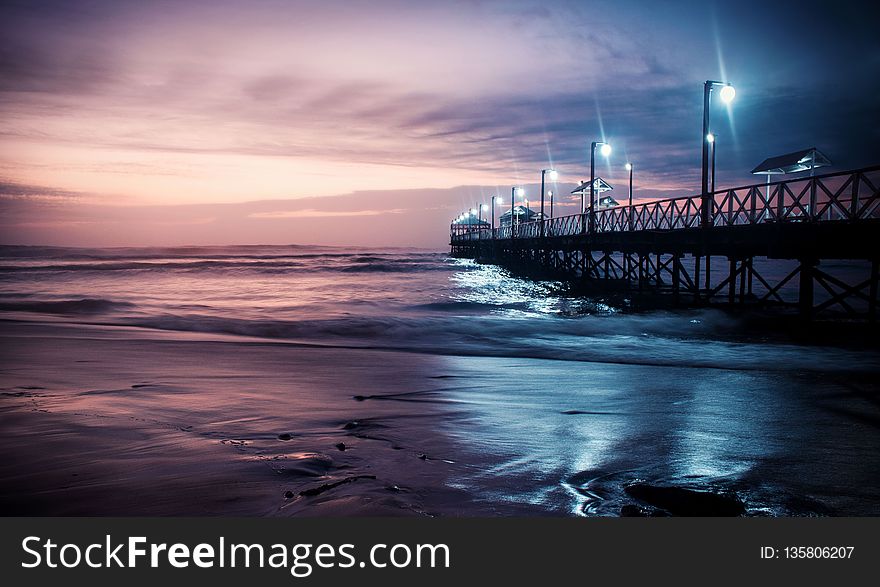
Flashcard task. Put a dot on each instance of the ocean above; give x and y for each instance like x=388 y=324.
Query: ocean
x=298 y=380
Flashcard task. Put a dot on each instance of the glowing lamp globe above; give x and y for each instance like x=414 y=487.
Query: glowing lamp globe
x=728 y=93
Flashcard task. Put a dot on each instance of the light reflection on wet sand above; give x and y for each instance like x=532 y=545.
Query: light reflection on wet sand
x=571 y=436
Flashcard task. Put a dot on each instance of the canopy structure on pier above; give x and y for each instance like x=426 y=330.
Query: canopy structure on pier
x=521 y=213
x=599 y=186
x=805 y=160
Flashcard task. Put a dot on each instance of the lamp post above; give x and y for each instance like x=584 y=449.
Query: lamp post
x=553 y=176
x=512 y=198
x=514 y=192
x=727 y=94
x=500 y=201
x=710 y=138
x=605 y=151
x=629 y=167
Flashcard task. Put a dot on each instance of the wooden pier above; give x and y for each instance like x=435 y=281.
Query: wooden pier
x=810 y=244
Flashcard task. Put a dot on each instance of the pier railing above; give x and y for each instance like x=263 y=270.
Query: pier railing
x=841 y=196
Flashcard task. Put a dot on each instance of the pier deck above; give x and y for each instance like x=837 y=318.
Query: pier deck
x=824 y=231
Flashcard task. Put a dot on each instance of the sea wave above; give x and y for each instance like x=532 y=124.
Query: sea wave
x=344 y=264
x=659 y=339
x=206 y=252
x=84 y=306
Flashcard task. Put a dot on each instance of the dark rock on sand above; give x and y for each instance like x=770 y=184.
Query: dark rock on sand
x=360 y=425
x=306 y=465
x=235 y=442
x=328 y=486
x=632 y=510
x=284 y=436
x=288 y=495
x=341 y=446
x=679 y=501
x=423 y=457
x=365 y=429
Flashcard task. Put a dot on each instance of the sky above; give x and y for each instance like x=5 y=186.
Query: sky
x=127 y=123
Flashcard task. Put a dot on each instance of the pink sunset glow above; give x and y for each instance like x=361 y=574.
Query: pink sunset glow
x=129 y=123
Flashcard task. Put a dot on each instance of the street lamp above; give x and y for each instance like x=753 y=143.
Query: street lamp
x=553 y=176
x=550 y=193
x=500 y=200
x=727 y=94
x=514 y=192
x=605 y=151
x=710 y=138
x=629 y=167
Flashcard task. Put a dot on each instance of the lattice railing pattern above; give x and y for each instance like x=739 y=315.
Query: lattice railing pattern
x=842 y=196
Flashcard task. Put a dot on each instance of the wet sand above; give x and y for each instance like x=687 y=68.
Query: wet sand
x=104 y=421
x=99 y=420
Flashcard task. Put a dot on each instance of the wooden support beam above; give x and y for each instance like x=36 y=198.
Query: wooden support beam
x=709 y=273
x=805 y=289
x=657 y=275
x=751 y=269
x=731 y=287
x=641 y=271
x=676 y=275
x=872 y=303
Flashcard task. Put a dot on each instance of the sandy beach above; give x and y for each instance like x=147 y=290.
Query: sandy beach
x=155 y=426
x=100 y=420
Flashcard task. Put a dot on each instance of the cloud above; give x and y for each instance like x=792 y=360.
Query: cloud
x=376 y=218
x=312 y=213
x=10 y=190
x=224 y=101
